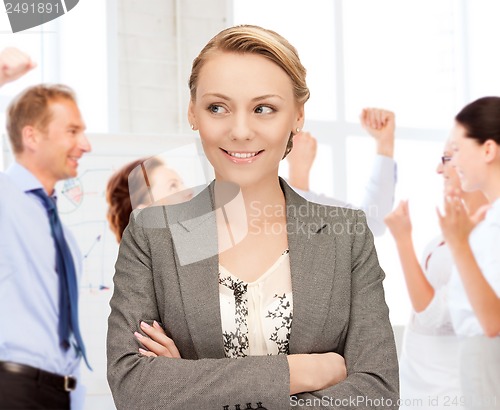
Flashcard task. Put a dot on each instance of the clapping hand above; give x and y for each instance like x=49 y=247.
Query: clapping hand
x=456 y=225
x=399 y=222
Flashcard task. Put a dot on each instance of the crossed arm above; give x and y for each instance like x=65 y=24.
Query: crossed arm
x=137 y=380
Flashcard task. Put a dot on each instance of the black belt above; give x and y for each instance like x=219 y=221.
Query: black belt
x=64 y=383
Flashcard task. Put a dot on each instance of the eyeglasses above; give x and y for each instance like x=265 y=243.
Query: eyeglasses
x=445 y=159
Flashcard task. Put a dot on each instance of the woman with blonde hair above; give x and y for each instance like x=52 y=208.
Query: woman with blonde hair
x=251 y=295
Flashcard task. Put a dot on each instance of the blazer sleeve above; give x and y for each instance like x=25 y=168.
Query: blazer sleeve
x=370 y=353
x=139 y=382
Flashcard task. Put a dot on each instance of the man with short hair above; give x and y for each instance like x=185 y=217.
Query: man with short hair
x=40 y=342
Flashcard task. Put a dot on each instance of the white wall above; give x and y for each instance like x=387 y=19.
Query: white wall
x=157 y=41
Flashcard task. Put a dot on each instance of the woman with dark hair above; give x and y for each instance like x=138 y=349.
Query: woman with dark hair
x=118 y=199
x=428 y=365
x=474 y=295
x=139 y=184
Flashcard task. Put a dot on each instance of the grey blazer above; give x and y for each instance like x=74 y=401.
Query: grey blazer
x=339 y=306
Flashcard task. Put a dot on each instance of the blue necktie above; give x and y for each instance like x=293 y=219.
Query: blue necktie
x=68 y=286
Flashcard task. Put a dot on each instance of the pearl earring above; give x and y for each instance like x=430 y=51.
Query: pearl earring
x=297 y=130
x=192 y=126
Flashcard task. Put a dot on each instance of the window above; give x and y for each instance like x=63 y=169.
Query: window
x=422 y=59
x=39 y=43
x=311 y=30
x=83 y=60
x=72 y=50
x=402 y=55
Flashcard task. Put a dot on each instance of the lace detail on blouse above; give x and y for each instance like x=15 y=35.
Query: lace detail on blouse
x=257 y=316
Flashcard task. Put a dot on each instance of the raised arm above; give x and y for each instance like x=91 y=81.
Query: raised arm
x=300 y=160
x=380 y=124
x=420 y=290
x=378 y=197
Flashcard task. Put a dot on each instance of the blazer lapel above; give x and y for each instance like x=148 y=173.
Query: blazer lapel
x=312 y=261
x=194 y=234
x=200 y=296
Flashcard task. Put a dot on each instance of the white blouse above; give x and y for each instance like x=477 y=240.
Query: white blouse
x=484 y=241
x=429 y=365
x=435 y=319
x=257 y=316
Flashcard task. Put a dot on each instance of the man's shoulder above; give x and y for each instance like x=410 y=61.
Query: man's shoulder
x=12 y=195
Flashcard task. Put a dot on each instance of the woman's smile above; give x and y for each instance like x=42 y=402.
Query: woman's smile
x=242 y=157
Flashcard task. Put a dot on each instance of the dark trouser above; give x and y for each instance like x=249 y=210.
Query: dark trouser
x=18 y=392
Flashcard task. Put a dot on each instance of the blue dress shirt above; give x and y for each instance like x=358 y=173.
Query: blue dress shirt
x=29 y=284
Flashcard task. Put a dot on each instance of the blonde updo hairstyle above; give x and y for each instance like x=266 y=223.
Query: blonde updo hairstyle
x=256 y=40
